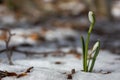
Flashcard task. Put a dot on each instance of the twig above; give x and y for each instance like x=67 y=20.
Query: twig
x=7 y=41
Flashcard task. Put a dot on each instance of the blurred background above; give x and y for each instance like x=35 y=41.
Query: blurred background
x=60 y=23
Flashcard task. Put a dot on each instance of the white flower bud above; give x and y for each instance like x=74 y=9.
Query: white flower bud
x=95 y=46
x=91 y=17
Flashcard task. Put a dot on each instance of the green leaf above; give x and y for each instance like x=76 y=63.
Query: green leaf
x=83 y=50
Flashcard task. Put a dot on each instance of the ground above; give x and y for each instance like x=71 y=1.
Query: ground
x=59 y=67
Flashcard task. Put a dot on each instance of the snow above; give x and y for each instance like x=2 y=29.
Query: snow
x=36 y=74
x=24 y=35
x=96 y=76
x=46 y=69
x=59 y=34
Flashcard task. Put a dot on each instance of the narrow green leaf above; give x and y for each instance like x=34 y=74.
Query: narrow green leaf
x=83 y=50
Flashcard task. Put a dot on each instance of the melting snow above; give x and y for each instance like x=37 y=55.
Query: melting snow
x=46 y=69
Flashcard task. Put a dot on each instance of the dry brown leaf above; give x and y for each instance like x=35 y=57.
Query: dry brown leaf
x=11 y=74
x=29 y=69
x=69 y=76
x=73 y=71
x=21 y=75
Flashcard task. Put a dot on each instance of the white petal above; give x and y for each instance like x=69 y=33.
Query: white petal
x=91 y=17
x=95 y=46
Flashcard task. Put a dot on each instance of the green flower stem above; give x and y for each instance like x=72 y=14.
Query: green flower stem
x=86 y=46
x=91 y=27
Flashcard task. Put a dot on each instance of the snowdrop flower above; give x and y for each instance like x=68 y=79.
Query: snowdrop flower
x=91 y=17
x=95 y=46
x=89 y=64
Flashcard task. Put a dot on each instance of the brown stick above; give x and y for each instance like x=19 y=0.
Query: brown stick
x=7 y=41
